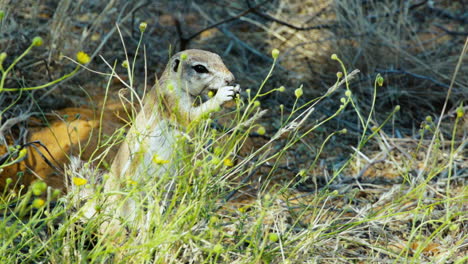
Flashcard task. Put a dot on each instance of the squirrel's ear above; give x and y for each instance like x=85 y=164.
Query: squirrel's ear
x=175 y=65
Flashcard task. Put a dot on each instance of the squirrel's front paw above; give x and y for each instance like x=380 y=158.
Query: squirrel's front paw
x=226 y=93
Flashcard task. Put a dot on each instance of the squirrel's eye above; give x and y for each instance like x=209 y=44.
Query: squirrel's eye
x=200 y=68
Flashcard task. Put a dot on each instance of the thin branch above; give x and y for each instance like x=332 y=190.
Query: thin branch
x=417 y=76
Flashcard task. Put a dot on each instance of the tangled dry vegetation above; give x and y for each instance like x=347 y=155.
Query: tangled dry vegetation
x=393 y=188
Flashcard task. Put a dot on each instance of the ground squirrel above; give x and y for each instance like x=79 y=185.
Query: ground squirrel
x=167 y=107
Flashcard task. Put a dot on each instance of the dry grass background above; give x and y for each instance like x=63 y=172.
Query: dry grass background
x=414 y=45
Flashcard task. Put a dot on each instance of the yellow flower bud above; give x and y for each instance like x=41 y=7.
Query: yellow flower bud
x=38 y=203
x=38 y=187
x=334 y=56
x=183 y=56
x=218 y=249
x=273 y=237
x=158 y=160
x=3 y=56
x=82 y=57
x=275 y=53
x=228 y=162
x=125 y=64
x=261 y=130
x=170 y=86
x=380 y=80
x=215 y=160
x=281 y=89
x=56 y=193
x=298 y=92
x=37 y=41
x=79 y=181
x=143 y=26
x=460 y=112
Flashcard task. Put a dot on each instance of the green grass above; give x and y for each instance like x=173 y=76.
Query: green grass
x=275 y=224
x=266 y=206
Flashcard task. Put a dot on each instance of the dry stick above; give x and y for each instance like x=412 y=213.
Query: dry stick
x=457 y=68
x=417 y=76
x=185 y=40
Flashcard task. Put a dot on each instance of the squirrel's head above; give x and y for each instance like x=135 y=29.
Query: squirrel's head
x=196 y=71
